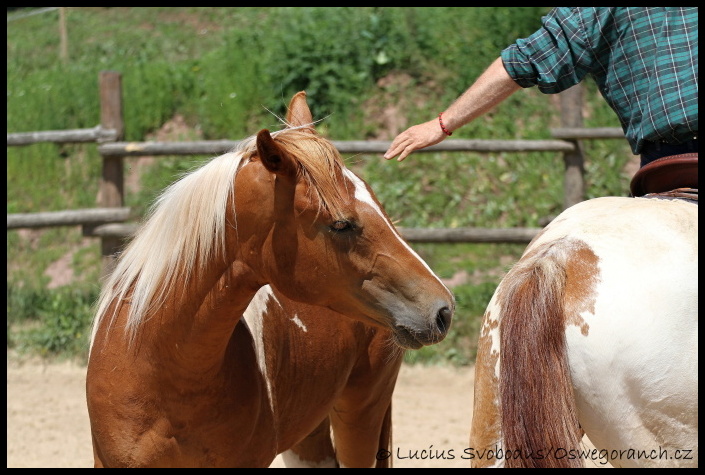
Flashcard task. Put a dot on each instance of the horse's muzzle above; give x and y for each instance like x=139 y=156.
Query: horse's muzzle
x=414 y=338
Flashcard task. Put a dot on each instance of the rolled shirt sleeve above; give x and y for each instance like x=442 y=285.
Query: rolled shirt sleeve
x=554 y=58
x=644 y=61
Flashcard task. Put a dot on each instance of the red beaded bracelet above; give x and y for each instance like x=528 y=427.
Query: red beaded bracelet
x=440 y=121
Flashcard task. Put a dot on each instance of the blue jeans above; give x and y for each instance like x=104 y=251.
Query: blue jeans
x=655 y=150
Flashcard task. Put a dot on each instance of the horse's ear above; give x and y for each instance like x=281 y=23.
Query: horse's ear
x=273 y=157
x=298 y=114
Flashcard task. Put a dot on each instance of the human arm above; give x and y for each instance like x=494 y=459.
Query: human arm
x=490 y=89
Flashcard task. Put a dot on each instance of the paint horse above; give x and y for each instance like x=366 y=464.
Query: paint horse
x=165 y=383
x=324 y=374
x=594 y=331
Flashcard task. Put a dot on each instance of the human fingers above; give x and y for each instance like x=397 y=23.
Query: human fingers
x=406 y=151
x=397 y=145
x=415 y=138
x=405 y=143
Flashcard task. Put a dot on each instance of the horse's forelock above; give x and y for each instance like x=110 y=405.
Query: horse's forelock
x=321 y=165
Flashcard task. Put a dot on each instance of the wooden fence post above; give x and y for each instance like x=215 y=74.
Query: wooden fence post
x=110 y=193
x=572 y=117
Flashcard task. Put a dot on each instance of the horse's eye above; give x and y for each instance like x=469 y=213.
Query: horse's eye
x=341 y=226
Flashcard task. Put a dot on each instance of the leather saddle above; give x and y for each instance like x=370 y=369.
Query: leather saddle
x=666 y=174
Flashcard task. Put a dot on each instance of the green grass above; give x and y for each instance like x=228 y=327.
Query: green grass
x=227 y=71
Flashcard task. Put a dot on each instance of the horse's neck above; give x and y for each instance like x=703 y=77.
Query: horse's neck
x=196 y=322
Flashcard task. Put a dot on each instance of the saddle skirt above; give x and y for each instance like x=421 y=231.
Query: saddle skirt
x=666 y=175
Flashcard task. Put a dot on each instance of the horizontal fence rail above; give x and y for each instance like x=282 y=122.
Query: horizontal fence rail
x=581 y=133
x=91 y=216
x=96 y=134
x=216 y=147
x=465 y=235
x=417 y=235
x=207 y=147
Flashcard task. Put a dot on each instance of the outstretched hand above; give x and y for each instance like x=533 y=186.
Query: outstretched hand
x=414 y=138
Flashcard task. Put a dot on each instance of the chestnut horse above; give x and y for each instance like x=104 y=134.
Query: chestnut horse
x=323 y=373
x=594 y=331
x=169 y=380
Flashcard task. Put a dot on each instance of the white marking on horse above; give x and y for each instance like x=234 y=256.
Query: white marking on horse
x=292 y=460
x=298 y=322
x=363 y=194
x=254 y=320
x=490 y=327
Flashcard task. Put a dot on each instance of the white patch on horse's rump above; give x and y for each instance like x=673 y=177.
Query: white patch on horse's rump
x=490 y=329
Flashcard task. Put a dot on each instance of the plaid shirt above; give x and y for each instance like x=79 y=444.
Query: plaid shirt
x=644 y=60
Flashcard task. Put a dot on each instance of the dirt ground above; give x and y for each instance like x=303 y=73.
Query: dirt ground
x=47 y=420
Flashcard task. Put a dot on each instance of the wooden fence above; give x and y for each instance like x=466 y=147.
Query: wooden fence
x=108 y=220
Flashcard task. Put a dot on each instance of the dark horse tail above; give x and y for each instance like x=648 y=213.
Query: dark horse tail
x=538 y=414
x=385 y=439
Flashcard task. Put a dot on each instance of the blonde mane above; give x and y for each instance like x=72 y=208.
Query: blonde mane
x=186 y=224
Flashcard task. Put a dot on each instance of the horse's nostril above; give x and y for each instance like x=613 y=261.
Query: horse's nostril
x=443 y=318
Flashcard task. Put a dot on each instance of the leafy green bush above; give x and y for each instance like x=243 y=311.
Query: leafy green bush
x=51 y=322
